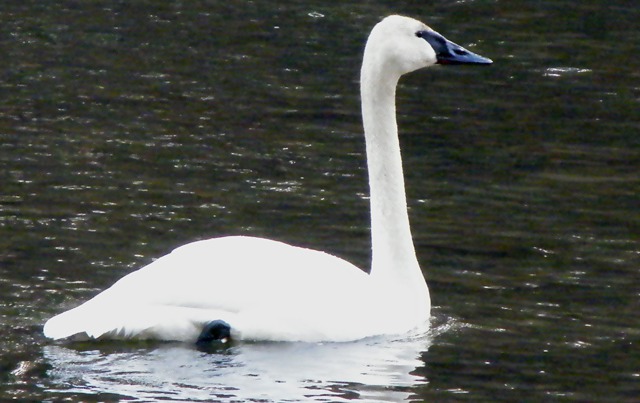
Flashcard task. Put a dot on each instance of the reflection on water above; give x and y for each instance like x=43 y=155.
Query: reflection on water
x=375 y=369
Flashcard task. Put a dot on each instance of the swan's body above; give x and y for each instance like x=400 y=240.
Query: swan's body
x=268 y=290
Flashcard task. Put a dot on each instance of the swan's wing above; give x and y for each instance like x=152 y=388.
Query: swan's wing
x=237 y=273
x=254 y=284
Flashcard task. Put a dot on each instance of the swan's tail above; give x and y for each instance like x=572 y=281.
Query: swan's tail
x=160 y=322
x=82 y=323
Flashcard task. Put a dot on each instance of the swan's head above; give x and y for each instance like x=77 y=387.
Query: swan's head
x=401 y=44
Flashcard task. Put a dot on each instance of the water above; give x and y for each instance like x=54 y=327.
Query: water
x=127 y=129
x=371 y=370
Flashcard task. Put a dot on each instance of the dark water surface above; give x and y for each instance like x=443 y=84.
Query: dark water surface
x=129 y=128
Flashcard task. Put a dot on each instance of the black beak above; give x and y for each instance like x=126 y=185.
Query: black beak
x=448 y=52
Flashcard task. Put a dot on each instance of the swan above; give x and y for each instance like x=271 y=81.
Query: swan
x=249 y=288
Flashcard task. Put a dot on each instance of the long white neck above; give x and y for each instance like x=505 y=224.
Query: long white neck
x=394 y=257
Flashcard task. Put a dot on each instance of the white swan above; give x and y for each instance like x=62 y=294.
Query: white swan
x=259 y=289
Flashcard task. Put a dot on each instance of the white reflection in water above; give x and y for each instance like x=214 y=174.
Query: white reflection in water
x=563 y=71
x=375 y=369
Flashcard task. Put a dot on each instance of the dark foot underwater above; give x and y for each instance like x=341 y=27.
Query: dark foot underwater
x=216 y=331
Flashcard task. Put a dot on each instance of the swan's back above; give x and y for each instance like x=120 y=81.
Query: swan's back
x=230 y=278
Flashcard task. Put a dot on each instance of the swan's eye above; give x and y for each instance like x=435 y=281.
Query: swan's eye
x=419 y=34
